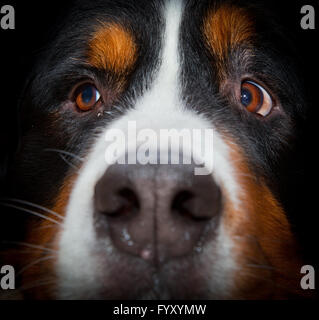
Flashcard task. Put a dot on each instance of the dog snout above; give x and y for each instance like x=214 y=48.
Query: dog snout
x=157 y=212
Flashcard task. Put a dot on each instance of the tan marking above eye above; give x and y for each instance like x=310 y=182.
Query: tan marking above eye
x=112 y=47
x=225 y=28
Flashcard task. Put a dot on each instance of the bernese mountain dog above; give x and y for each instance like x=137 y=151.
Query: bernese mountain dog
x=90 y=228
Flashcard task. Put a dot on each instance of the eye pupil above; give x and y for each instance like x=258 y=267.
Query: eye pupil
x=246 y=97
x=87 y=94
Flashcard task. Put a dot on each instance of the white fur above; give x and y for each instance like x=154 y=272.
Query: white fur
x=160 y=107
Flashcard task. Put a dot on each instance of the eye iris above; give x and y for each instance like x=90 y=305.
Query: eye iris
x=251 y=96
x=87 y=97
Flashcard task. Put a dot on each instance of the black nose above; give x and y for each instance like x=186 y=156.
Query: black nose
x=157 y=212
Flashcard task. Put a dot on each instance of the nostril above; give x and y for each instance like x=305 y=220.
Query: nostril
x=184 y=204
x=129 y=204
x=116 y=203
x=180 y=200
x=179 y=204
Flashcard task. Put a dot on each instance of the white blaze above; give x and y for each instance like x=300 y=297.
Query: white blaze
x=158 y=108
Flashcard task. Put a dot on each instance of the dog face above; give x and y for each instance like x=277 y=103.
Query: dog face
x=159 y=230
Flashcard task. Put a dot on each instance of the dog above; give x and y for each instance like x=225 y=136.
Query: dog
x=104 y=230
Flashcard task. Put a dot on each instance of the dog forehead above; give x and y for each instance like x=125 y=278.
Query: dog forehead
x=112 y=47
x=115 y=35
x=224 y=26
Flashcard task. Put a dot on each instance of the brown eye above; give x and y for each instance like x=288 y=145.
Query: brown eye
x=87 y=97
x=255 y=98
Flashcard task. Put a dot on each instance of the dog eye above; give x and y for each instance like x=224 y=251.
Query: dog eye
x=86 y=97
x=255 y=98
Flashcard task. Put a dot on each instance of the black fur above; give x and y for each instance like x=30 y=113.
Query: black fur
x=272 y=145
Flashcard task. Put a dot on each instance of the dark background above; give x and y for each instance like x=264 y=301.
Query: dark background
x=35 y=23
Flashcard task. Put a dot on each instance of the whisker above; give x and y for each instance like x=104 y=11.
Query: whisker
x=257 y=276
x=68 y=162
x=31 y=204
x=34 y=263
x=16 y=294
x=20 y=251
x=30 y=245
x=36 y=284
x=260 y=266
x=254 y=239
x=267 y=280
x=30 y=211
x=265 y=264
x=45 y=227
x=245 y=175
x=65 y=153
